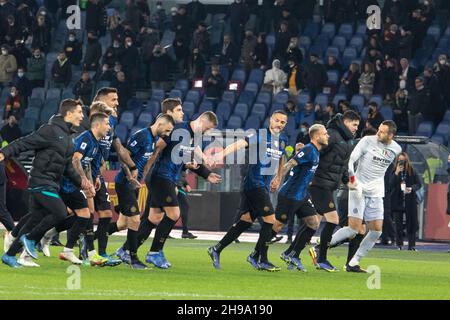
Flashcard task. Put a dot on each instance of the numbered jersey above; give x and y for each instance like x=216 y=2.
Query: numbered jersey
x=296 y=186
x=88 y=146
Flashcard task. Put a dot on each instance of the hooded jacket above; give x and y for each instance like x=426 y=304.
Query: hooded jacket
x=53 y=148
x=334 y=158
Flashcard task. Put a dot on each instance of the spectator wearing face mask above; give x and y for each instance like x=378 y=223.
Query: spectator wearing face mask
x=14 y=104
x=21 y=53
x=73 y=49
x=275 y=79
x=196 y=65
x=130 y=61
x=374 y=118
x=113 y=53
x=8 y=66
x=83 y=88
x=36 y=69
x=214 y=84
x=420 y=101
x=61 y=71
x=442 y=71
x=23 y=84
x=93 y=53
x=196 y=12
x=105 y=74
x=229 y=54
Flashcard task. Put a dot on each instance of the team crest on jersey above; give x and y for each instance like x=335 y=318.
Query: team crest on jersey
x=355 y=210
x=331 y=205
x=283 y=217
x=275 y=143
x=266 y=209
x=169 y=199
x=133 y=209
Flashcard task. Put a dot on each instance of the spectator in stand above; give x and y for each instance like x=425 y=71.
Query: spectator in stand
x=148 y=38
x=196 y=65
x=61 y=71
x=395 y=9
x=389 y=79
x=374 y=118
x=14 y=104
x=437 y=110
x=6 y=9
x=144 y=12
x=180 y=24
x=238 y=15
x=159 y=17
x=130 y=60
x=41 y=34
x=95 y=10
x=390 y=41
x=248 y=50
x=132 y=15
x=115 y=27
x=229 y=54
x=277 y=15
x=23 y=84
x=266 y=16
x=420 y=101
x=408 y=74
x=333 y=65
x=214 y=84
x=12 y=31
x=404 y=183
x=366 y=81
x=294 y=78
x=8 y=66
x=24 y=18
x=36 y=69
x=315 y=77
x=350 y=81
x=196 y=12
x=160 y=64
x=291 y=108
x=124 y=89
x=275 y=79
x=73 y=49
x=419 y=25
x=93 y=53
x=83 y=88
x=113 y=54
x=292 y=23
x=400 y=109
x=282 y=41
x=328 y=113
x=442 y=70
x=261 y=54
x=200 y=39
x=405 y=43
x=303 y=136
x=293 y=51
x=182 y=54
x=105 y=74
x=10 y=131
x=21 y=53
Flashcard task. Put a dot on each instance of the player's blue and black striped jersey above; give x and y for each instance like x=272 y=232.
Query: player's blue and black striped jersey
x=89 y=147
x=105 y=147
x=141 y=145
x=264 y=153
x=180 y=144
x=296 y=186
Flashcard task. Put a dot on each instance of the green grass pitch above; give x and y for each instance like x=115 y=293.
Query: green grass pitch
x=404 y=275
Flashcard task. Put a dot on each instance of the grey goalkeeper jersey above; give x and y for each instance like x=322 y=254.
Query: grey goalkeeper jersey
x=372 y=158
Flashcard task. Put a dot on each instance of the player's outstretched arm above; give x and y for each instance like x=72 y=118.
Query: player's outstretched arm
x=232 y=148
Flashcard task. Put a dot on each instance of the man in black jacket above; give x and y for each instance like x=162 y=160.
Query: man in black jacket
x=332 y=167
x=315 y=77
x=54 y=150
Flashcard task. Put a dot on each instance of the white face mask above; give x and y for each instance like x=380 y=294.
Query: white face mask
x=116 y=45
x=442 y=61
x=13 y=94
x=4 y=52
x=129 y=44
x=20 y=74
x=71 y=38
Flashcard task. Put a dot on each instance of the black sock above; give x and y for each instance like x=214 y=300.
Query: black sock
x=102 y=234
x=73 y=234
x=112 y=228
x=263 y=241
x=161 y=234
x=233 y=233
x=90 y=234
x=325 y=238
x=132 y=242
x=20 y=224
x=301 y=240
x=353 y=246
x=66 y=224
x=301 y=228
x=145 y=228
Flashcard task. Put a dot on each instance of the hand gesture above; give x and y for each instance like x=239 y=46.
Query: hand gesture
x=214 y=178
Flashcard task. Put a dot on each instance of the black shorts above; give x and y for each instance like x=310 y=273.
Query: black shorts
x=127 y=196
x=75 y=200
x=162 y=193
x=287 y=207
x=101 y=199
x=323 y=199
x=257 y=203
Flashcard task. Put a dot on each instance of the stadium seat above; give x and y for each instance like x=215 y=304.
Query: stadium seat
x=346 y=30
x=386 y=112
x=436 y=138
x=291 y=124
x=302 y=99
x=443 y=129
x=241 y=109
x=127 y=119
x=333 y=77
x=321 y=99
x=121 y=131
x=176 y=93
x=446 y=116
x=270 y=40
x=265 y=98
x=183 y=85
x=52 y=105
x=229 y=96
x=32 y=113
x=155 y=107
x=46 y=113
x=53 y=93
x=338 y=97
x=348 y=56
x=67 y=94
x=247 y=97
x=435 y=32
x=252 y=87
x=312 y=29
x=308 y=119
x=35 y=103
x=134 y=105
x=357 y=42
x=27 y=125
x=365 y=113
x=145 y=119
x=332 y=51
x=361 y=30
x=329 y=29
x=239 y=75
x=224 y=109
x=193 y=96
x=206 y=105
x=158 y=95
x=339 y=42
x=101 y=84
x=253 y=122
x=235 y=122
x=358 y=101
x=425 y=129
x=378 y=99
x=305 y=42
x=318 y=49
x=256 y=76
x=37 y=93
x=281 y=97
x=189 y=109
x=259 y=110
